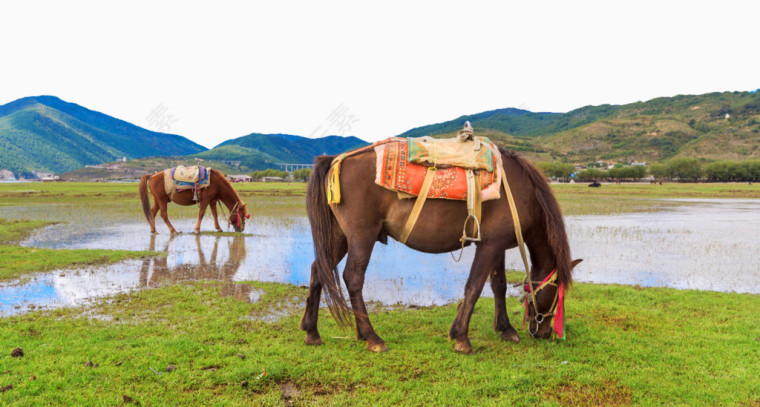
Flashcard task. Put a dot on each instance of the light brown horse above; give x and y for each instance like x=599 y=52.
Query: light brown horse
x=369 y=213
x=219 y=190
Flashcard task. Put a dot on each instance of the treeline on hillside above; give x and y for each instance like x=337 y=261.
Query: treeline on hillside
x=681 y=169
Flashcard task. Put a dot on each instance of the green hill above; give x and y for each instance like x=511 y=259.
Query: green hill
x=249 y=158
x=287 y=148
x=229 y=157
x=45 y=133
x=711 y=126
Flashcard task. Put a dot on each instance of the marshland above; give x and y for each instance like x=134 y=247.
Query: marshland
x=663 y=309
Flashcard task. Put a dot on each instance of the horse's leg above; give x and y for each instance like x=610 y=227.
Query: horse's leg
x=153 y=212
x=311 y=313
x=486 y=257
x=359 y=253
x=202 y=211
x=216 y=220
x=165 y=215
x=501 y=319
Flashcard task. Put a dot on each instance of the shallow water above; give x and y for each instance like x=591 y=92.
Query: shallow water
x=699 y=244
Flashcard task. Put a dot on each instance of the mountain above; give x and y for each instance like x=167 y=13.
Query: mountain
x=712 y=126
x=45 y=133
x=260 y=151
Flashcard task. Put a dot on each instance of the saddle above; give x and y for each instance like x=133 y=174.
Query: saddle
x=460 y=168
x=465 y=151
x=183 y=178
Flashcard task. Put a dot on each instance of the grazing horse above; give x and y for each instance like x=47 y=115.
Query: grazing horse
x=219 y=190
x=369 y=213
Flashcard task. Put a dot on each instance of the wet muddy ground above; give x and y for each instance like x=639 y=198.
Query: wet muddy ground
x=695 y=244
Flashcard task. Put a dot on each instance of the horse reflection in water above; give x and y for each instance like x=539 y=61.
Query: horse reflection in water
x=163 y=274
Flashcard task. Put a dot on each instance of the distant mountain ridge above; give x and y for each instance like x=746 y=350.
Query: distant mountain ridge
x=723 y=125
x=258 y=151
x=45 y=133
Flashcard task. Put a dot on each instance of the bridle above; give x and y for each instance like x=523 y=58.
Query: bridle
x=557 y=309
x=235 y=209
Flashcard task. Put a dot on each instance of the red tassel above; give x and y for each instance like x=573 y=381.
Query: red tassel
x=559 y=316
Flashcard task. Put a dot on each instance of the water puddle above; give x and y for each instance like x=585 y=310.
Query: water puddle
x=698 y=244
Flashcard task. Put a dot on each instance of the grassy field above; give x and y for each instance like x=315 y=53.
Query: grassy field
x=625 y=345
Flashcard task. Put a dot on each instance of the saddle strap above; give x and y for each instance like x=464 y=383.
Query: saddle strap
x=518 y=233
x=474 y=206
x=417 y=209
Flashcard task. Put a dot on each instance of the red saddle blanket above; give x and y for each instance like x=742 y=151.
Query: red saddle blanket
x=396 y=173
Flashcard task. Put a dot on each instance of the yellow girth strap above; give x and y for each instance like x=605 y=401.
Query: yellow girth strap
x=421 y=198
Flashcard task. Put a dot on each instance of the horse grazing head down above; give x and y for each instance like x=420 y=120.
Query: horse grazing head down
x=549 y=292
x=238 y=217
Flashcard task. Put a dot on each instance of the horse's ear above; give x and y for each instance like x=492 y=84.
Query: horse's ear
x=576 y=261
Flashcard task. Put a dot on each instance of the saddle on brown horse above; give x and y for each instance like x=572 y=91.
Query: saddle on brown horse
x=462 y=168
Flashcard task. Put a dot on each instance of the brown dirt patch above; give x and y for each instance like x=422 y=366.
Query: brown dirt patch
x=576 y=394
x=623 y=322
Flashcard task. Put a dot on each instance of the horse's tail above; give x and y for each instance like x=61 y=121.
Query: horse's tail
x=555 y=225
x=145 y=201
x=323 y=225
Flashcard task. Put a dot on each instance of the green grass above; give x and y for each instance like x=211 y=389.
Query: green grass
x=625 y=345
x=579 y=199
x=15 y=230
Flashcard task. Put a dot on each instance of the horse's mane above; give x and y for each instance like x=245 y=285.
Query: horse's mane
x=227 y=182
x=555 y=225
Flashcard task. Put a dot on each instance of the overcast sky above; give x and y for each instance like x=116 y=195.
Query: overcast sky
x=213 y=71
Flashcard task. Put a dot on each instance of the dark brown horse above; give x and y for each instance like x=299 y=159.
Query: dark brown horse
x=370 y=213
x=219 y=190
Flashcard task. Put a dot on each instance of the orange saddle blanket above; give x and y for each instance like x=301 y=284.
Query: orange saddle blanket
x=396 y=173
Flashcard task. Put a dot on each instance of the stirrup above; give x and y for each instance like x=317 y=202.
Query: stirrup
x=466 y=238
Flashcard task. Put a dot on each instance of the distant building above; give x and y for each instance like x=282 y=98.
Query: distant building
x=240 y=178
x=6 y=175
x=43 y=175
x=272 y=179
x=637 y=163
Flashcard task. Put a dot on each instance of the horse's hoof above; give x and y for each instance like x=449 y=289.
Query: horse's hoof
x=315 y=341
x=510 y=336
x=377 y=347
x=464 y=347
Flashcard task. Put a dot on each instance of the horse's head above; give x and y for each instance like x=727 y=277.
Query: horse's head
x=238 y=217
x=549 y=301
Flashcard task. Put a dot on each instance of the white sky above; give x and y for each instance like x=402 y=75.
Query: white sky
x=226 y=69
